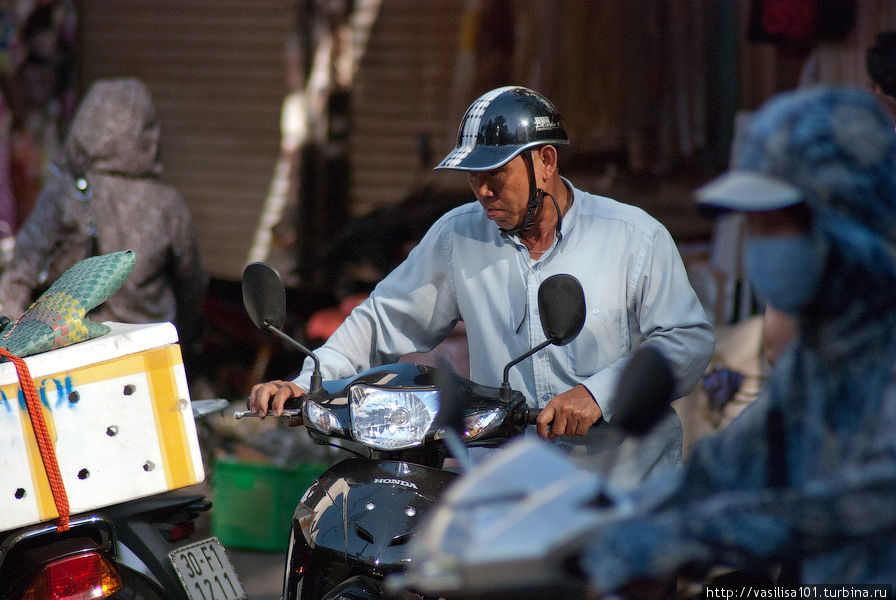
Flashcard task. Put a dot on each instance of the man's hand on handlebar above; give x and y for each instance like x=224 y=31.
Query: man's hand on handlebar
x=571 y=413
x=272 y=395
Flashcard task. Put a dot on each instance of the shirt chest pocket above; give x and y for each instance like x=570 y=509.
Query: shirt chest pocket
x=600 y=342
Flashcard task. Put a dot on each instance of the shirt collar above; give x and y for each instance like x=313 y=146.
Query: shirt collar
x=569 y=218
x=572 y=215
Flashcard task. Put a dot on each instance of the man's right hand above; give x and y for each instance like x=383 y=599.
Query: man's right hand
x=272 y=395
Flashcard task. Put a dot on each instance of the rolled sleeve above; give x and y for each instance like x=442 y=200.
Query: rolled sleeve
x=410 y=310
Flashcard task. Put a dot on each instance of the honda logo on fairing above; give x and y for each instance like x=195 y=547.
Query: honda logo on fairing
x=397 y=482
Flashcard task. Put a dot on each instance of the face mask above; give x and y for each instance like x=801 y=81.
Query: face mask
x=785 y=270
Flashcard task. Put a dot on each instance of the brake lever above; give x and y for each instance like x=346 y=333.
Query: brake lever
x=291 y=413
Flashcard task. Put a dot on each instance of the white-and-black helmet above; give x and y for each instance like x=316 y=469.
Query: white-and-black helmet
x=499 y=125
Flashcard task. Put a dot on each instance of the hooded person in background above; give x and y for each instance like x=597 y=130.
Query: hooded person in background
x=106 y=195
x=805 y=477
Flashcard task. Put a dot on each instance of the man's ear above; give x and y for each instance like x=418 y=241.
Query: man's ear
x=548 y=159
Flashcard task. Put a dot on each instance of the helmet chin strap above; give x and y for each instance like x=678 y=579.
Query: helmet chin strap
x=536 y=196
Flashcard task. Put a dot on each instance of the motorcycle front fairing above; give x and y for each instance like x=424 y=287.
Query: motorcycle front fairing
x=488 y=419
x=510 y=526
x=361 y=514
x=358 y=517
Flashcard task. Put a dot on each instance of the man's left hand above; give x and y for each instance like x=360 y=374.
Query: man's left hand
x=571 y=413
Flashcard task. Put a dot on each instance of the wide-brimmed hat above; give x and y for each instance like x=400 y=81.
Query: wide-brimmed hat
x=820 y=145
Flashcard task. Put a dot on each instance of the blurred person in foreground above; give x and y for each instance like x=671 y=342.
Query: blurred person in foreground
x=779 y=329
x=806 y=476
x=106 y=195
x=482 y=263
x=778 y=332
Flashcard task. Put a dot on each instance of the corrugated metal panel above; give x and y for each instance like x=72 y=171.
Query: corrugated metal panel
x=401 y=90
x=216 y=71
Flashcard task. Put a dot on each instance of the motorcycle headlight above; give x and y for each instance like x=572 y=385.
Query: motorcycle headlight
x=392 y=419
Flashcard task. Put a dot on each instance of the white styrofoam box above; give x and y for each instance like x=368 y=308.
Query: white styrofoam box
x=118 y=411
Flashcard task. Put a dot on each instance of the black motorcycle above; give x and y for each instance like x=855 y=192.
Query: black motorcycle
x=352 y=527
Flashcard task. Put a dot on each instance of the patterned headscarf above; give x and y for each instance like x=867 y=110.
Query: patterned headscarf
x=836 y=146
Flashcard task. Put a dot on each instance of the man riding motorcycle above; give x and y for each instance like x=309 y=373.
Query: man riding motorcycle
x=466 y=269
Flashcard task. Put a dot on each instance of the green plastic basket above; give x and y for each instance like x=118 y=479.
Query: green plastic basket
x=254 y=502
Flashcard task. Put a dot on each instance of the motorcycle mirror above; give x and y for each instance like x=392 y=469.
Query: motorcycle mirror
x=264 y=295
x=561 y=305
x=450 y=418
x=643 y=391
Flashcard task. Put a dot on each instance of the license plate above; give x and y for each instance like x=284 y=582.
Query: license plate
x=206 y=572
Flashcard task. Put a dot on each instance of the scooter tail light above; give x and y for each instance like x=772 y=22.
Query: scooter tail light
x=87 y=576
x=180 y=531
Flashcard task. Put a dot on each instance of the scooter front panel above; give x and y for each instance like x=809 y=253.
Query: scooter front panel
x=367 y=510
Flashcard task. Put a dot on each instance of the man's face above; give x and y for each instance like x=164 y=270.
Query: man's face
x=788 y=221
x=503 y=192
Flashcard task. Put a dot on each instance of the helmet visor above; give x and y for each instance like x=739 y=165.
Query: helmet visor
x=481 y=158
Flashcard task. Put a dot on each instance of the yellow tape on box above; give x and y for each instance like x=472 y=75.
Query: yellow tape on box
x=118 y=410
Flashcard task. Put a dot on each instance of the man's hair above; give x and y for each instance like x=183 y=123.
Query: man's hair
x=880 y=61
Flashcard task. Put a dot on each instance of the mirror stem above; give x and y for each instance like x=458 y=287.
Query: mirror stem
x=315 y=375
x=505 y=384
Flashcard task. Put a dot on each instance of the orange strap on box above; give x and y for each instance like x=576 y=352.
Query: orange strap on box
x=42 y=435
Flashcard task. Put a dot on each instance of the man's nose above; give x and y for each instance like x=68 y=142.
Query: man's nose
x=479 y=183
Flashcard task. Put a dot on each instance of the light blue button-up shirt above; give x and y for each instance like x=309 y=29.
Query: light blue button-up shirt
x=465 y=269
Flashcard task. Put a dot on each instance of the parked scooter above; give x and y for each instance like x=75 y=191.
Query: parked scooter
x=144 y=549
x=116 y=535
x=353 y=526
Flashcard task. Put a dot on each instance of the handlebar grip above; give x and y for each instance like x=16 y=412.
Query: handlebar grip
x=292 y=404
x=532 y=415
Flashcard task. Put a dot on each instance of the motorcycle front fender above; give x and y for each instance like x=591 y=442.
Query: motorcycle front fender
x=361 y=587
x=358 y=517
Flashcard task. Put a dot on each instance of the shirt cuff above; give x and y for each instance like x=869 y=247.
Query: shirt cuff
x=303 y=380
x=602 y=386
